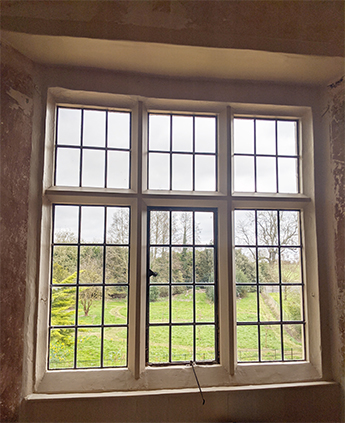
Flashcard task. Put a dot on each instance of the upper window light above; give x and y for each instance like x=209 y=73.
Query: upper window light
x=92 y=148
x=182 y=152
x=266 y=156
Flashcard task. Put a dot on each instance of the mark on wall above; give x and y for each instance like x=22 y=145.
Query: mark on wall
x=22 y=101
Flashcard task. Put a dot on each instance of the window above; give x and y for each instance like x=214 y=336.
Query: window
x=177 y=232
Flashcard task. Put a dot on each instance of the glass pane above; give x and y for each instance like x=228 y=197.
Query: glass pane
x=159 y=304
x=93 y=168
x=182 y=304
x=292 y=303
x=289 y=227
x=90 y=305
x=204 y=304
x=159 y=263
x=119 y=130
x=116 y=265
x=287 y=175
x=266 y=174
x=61 y=349
x=205 y=173
x=244 y=174
x=91 y=265
x=159 y=171
x=290 y=262
x=244 y=227
x=66 y=224
x=287 y=138
x=159 y=132
x=270 y=343
x=89 y=347
x=92 y=224
x=68 y=167
x=115 y=347
x=182 y=343
x=265 y=137
x=117 y=225
x=118 y=169
x=269 y=304
x=182 y=172
x=293 y=342
x=159 y=227
x=182 y=133
x=63 y=306
x=204 y=228
x=246 y=304
x=268 y=265
x=65 y=264
x=115 y=307
x=267 y=226
x=182 y=228
x=204 y=265
x=244 y=136
x=245 y=265
x=159 y=344
x=182 y=265
x=247 y=343
x=69 y=125
x=94 y=128
x=205 y=134
x=205 y=343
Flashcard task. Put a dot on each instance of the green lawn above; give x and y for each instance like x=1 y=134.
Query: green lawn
x=115 y=338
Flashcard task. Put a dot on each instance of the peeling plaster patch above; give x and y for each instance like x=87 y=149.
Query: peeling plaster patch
x=23 y=102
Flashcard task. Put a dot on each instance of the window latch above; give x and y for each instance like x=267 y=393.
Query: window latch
x=197 y=381
x=152 y=273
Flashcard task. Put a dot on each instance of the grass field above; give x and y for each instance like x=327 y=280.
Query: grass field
x=115 y=338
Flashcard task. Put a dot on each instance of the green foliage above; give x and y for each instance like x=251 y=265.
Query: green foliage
x=154 y=294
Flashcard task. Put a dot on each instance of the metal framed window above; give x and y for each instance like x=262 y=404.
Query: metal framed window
x=266 y=155
x=88 y=324
x=182 y=286
x=182 y=152
x=93 y=148
x=269 y=285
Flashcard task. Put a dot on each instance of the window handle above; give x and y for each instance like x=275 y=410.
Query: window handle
x=152 y=273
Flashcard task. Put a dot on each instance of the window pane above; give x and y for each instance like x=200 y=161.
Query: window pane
x=265 y=136
x=205 y=304
x=244 y=174
x=116 y=266
x=287 y=175
x=204 y=265
x=268 y=265
x=118 y=169
x=266 y=174
x=244 y=136
x=91 y=265
x=159 y=344
x=205 y=173
x=67 y=167
x=182 y=227
x=182 y=343
x=270 y=343
x=159 y=263
x=182 y=264
x=119 y=130
x=68 y=126
x=267 y=227
x=245 y=265
x=66 y=224
x=289 y=227
x=115 y=347
x=269 y=304
x=117 y=225
x=247 y=343
x=93 y=168
x=244 y=227
x=293 y=342
x=90 y=305
x=292 y=303
x=64 y=264
x=205 y=134
x=116 y=300
x=204 y=228
x=246 y=303
x=182 y=133
x=287 y=138
x=63 y=306
x=205 y=343
x=159 y=171
x=182 y=304
x=290 y=262
x=94 y=128
x=159 y=132
x=92 y=224
x=61 y=349
x=182 y=173
x=89 y=347
x=159 y=227
x=159 y=304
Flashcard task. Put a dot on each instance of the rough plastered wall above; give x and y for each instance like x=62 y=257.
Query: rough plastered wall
x=17 y=91
x=336 y=115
